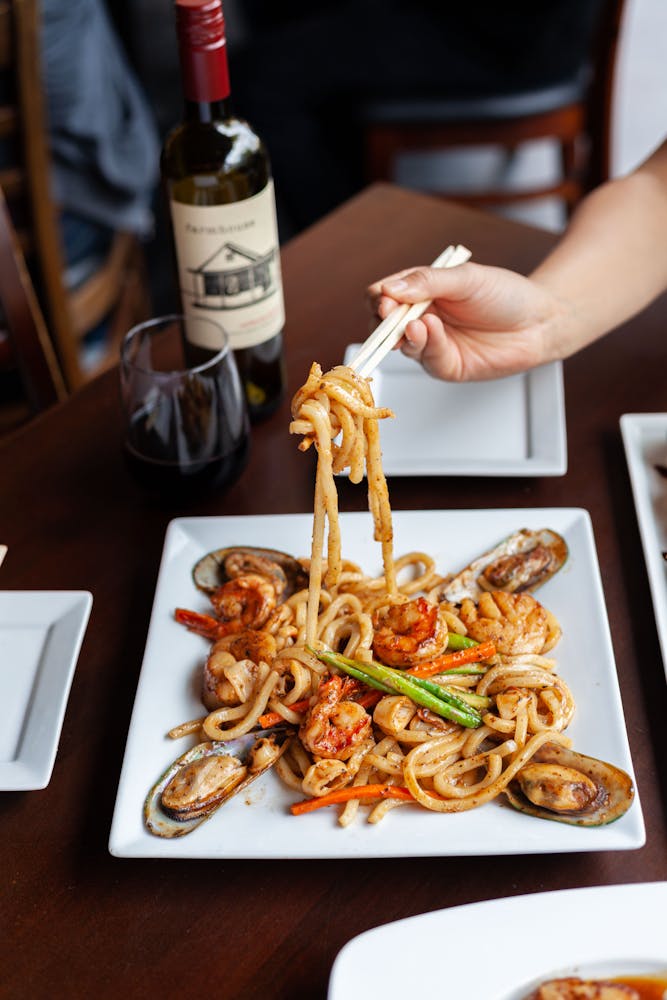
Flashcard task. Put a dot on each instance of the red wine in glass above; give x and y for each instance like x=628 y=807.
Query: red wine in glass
x=187 y=430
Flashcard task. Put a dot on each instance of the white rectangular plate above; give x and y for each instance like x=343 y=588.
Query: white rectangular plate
x=504 y=948
x=452 y=429
x=258 y=824
x=645 y=441
x=40 y=637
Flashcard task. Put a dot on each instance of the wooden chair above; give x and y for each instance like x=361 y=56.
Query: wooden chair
x=25 y=340
x=576 y=114
x=117 y=293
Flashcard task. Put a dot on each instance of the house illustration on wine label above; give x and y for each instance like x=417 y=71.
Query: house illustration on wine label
x=234 y=277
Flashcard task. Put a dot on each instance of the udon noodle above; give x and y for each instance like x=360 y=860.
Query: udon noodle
x=346 y=735
x=340 y=404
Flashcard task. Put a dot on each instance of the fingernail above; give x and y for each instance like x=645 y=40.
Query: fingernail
x=398 y=285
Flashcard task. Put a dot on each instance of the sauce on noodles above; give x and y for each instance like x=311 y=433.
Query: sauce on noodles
x=346 y=735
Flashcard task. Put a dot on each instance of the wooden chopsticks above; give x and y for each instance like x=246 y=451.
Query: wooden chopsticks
x=390 y=330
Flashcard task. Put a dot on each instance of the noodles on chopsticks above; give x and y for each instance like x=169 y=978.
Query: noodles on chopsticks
x=340 y=404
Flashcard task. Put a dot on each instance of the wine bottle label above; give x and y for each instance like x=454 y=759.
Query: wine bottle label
x=228 y=260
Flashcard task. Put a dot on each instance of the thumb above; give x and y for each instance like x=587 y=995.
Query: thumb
x=427 y=283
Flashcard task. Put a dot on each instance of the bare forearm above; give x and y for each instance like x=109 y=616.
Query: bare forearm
x=488 y=322
x=612 y=261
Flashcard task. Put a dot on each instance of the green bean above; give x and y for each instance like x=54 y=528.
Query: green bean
x=457 y=641
x=422 y=692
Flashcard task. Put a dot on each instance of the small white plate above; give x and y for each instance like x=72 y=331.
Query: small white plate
x=512 y=426
x=258 y=824
x=645 y=441
x=504 y=948
x=40 y=637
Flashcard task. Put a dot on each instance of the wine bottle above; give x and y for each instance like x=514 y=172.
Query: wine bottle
x=217 y=177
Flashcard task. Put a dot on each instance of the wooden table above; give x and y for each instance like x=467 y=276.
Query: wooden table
x=78 y=922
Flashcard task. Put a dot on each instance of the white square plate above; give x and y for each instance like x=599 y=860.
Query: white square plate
x=452 y=429
x=645 y=441
x=258 y=824
x=40 y=637
x=504 y=948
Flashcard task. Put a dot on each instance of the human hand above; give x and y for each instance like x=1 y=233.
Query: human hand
x=483 y=323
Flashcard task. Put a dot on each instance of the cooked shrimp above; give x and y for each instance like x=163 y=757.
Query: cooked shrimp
x=333 y=727
x=205 y=625
x=515 y=623
x=406 y=634
x=252 y=644
x=245 y=563
x=579 y=989
x=245 y=601
x=226 y=679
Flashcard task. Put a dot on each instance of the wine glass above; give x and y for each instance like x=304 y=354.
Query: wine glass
x=186 y=421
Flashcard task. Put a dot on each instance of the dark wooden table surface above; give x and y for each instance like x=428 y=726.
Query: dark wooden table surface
x=77 y=922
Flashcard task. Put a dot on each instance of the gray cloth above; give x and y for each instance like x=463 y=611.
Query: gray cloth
x=104 y=142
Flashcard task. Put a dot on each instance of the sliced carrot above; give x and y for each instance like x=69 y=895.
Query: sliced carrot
x=270 y=719
x=447 y=661
x=273 y=718
x=352 y=792
x=370 y=698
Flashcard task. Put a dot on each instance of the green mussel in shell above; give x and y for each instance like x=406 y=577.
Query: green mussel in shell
x=568 y=787
x=521 y=562
x=217 y=567
x=202 y=779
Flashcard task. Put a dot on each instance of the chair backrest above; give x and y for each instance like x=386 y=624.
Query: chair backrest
x=25 y=166
x=27 y=335
x=116 y=293
x=577 y=113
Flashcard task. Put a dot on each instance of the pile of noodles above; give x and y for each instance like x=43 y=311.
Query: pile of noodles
x=445 y=766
